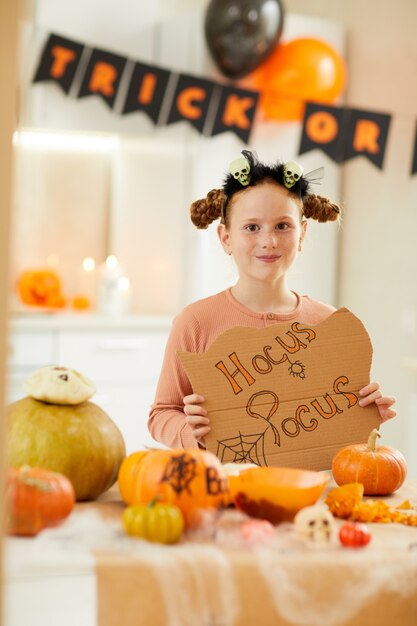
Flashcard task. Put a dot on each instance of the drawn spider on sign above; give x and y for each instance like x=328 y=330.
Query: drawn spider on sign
x=179 y=472
x=297 y=369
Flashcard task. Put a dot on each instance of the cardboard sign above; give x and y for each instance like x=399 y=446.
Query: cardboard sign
x=286 y=395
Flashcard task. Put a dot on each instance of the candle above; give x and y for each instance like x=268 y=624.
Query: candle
x=86 y=282
x=113 y=288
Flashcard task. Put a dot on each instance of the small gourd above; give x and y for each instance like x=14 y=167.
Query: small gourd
x=161 y=523
x=380 y=469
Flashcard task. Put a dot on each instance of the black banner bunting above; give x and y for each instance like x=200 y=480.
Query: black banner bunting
x=344 y=133
x=235 y=112
x=212 y=108
x=146 y=91
x=367 y=134
x=102 y=76
x=59 y=61
x=191 y=101
x=324 y=127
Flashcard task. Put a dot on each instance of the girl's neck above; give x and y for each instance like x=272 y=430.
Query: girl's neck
x=258 y=297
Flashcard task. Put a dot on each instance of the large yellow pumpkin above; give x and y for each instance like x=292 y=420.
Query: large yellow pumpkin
x=79 y=441
x=380 y=469
x=191 y=479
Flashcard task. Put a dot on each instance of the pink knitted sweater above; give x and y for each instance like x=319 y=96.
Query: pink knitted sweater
x=194 y=330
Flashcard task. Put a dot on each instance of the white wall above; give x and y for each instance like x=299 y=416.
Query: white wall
x=378 y=256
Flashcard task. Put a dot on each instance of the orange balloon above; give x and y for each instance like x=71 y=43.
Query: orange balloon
x=298 y=71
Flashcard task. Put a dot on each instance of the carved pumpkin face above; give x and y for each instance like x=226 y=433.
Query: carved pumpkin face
x=191 y=479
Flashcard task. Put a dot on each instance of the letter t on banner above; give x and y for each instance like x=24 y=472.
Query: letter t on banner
x=59 y=61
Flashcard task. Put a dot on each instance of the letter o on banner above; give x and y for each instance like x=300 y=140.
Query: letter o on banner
x=322 y=127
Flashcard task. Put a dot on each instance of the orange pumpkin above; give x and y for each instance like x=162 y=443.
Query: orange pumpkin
x=128 y=474
x=190 y=479
x=35 y=499
x=380 y=469
x=40 y=288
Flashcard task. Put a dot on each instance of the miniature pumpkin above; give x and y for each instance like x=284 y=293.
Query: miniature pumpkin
x=36 y=499
x=128 y=473
x=190 y=479
x=380 y=469
x=162 y=523
x=64 y=433
x=354 y=535
x=40 y=288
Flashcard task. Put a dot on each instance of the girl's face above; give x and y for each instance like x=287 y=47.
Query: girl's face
x=264 y=233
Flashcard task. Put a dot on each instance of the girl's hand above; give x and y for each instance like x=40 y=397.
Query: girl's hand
x=196 y=416
x=372 y=393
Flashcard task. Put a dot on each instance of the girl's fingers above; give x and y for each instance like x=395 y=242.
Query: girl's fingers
x=194 y=409
x=193 y=399
x=386 y=401
x=200 y=433
x=365 y=391
x=196 y=420
x=387 y=414
x=372 y=397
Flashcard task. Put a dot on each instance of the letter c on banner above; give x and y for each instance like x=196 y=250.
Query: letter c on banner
x=322 y=127
x=185 y=102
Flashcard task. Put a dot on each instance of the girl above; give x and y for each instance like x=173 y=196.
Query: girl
x=263 y=213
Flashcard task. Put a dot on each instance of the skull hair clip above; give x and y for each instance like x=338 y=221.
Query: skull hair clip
x=240 y=170
x=292 y=173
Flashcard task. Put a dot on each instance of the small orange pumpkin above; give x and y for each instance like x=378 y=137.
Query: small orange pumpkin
x=191 y=479
x=380 y=469
x=36 y=499
x=40 y=288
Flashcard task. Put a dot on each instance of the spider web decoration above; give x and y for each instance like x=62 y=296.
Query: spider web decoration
x=243 y=449
x=180 y=472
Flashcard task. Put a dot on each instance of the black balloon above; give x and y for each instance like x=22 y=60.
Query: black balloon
x=241 y=33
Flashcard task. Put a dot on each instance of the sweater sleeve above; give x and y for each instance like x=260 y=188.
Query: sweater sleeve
x=166 y=421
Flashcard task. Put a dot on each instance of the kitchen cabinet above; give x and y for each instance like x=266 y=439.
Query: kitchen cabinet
x=121 y=355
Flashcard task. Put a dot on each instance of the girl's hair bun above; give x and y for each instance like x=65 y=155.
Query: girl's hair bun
x=320 y=209
x=204 y=211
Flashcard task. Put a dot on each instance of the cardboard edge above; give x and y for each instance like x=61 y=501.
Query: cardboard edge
x=185 y=356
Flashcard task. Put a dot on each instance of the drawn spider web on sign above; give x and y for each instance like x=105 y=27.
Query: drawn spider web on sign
x=243 y=449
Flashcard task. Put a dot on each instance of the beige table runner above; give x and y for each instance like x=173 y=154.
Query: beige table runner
x=205 y=584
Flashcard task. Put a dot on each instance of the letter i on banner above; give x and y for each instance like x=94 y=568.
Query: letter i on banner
x=324 y=128
x=102 y=76
x=146 y=91
x=59 y=61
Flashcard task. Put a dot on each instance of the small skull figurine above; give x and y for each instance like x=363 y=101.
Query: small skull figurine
x=315 y=523
x=240 y=169
x=292 y=173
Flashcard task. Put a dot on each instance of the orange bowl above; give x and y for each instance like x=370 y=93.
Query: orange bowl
x=276 y=493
